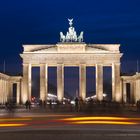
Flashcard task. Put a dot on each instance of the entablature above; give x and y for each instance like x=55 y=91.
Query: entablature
x=71 y=59
x=72 y=48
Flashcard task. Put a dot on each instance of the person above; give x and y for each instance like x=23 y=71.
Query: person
x=50 y=104
x=29 y=105
x=81 y=104
x=26 y=104
x=40 y=103
x=6 y=105
x=76 y=104
x=138 y=105
x=44 y=104
x=10 y=106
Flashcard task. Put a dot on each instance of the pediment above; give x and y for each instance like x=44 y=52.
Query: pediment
x=106 y=48
x=92 y=49
x=44 y=50
x=38 y=48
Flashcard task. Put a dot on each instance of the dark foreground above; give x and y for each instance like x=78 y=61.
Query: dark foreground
x=70 y=135
x=39 y=124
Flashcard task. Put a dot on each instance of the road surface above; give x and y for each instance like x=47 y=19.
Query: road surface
x=30 y=125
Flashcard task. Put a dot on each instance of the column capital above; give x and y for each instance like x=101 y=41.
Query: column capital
x=116 y=63
x=82 y=64
x=27 y=64
x=98 y=64
x=60 y=64
x=42 y=64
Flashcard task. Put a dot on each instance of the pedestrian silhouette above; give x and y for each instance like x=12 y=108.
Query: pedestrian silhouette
x=76 y=104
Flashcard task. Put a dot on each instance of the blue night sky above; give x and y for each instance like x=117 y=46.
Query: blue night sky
x=40 y=21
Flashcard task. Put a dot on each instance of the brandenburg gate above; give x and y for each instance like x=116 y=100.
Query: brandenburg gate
x=71 y=51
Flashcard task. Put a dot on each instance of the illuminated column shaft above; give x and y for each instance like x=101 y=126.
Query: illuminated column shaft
x=1 y=91
x=43 y=81
x=4 y=86
x=99 y=82
x=124 y=93
x=137 y=94
x=29 y=82
x=132 y=92
x=6 y=91
x=18 y=93
x=7 y=86
x=116 y=83
x=26 y=84
x=10 y=90
x=60 y=82
x=82 y=81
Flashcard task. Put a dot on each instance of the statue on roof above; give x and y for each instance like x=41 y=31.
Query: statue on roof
x=71 y=35
x=70 y=21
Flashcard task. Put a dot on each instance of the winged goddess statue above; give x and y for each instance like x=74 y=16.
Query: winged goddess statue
x=70 y=21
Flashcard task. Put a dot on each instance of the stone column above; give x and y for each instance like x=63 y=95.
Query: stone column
x=60 y=82
x=1 y=91
x=26 y=84
x=18 y=93
x=132 y=92
x=10 y=90
x=124 y=93
x=116 y=83
x=2 y=85
x=4 y=91
x=6 y=84
x=137 y=95
x=99 y=82
x=82 y=81
x=29 y=82
x=43 y=81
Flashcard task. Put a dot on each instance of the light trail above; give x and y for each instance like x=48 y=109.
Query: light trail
x=12 y=125
x=15 y=119
x=100 y=118
x=50 y=120
x=105 y=122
